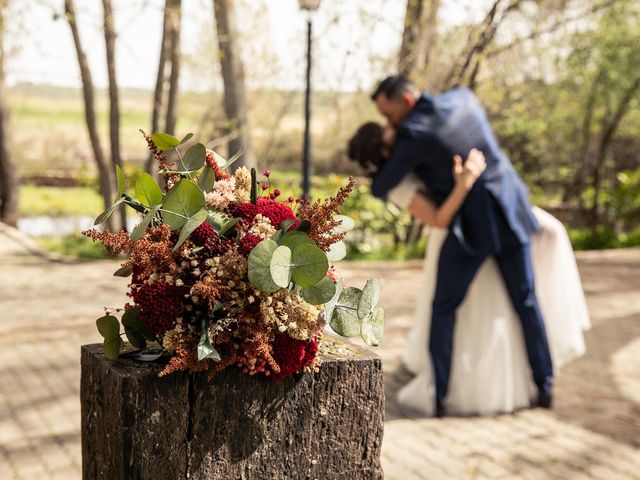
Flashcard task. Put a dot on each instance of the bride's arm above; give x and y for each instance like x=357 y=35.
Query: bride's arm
x=465 y=176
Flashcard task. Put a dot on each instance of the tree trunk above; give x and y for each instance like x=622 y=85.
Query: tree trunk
x=114 y=107
x=325 y=425
x=159 y=89
x=233 y=78
x=418 y=37
x=8 y=177
x=174 y=21
x=607 y=135
x=104 y=172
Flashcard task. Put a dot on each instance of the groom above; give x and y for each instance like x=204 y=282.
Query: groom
x=495 y=219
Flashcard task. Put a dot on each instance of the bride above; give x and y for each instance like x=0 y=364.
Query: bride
x=490 y=373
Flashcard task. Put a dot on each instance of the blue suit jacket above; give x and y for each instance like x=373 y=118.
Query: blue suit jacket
x=427 y=140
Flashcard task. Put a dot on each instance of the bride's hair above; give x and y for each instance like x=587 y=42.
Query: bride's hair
x=366 y=147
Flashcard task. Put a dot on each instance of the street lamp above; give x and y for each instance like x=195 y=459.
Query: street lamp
x=309 y=6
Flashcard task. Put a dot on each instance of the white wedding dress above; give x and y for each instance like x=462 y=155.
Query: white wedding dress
x=490 y=373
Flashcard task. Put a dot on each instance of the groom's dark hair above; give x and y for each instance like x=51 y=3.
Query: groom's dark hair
x=393 y=86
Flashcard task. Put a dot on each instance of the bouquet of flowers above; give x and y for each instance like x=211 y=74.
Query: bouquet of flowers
x=226 y=271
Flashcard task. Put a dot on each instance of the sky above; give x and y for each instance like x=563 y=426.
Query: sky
x=353 y=41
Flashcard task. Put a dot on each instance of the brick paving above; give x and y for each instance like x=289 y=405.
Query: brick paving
x=593 y=432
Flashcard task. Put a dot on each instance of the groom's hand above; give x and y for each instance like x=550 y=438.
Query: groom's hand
x=467 y=174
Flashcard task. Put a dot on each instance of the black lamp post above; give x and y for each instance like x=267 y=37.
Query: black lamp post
x=309 y=6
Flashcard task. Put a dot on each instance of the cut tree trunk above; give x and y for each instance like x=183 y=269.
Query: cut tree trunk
x=325 y=425
x=235 y=105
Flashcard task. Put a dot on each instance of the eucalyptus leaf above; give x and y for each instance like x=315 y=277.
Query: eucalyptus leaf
x=207 y=179
x=147 y=190
x=139 y=230
x=182 y=202
x=309 y=265
x=186 y=138
x=347 y=224
x=108 y=326
x=345 y=323
x=104 y=216
x=286 y=224
x=372 y=328
x=164 y=141
x=206 y=350
x=218 y=220
x=331 y=304
x=369 y=298
x=135 y=338
x=321 y=293
x=294 y=238
x=124 y=271
x=233 y=159
x=119 y=182
x=194 y=158
x=112 y=346
x=194 y=222
x=131 y=319
x=337 y=252
x=260 y=266
x=304 y=226
x=280 y=267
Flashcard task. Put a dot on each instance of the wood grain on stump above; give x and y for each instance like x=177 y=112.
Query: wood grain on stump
x=325 y=425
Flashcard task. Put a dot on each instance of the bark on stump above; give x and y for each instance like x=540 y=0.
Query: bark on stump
x=325 y=425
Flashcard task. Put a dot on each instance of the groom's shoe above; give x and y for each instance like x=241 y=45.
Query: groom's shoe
x=545 y=399
x=440 y=412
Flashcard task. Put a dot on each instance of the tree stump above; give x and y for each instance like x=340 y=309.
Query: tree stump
x=324 y=425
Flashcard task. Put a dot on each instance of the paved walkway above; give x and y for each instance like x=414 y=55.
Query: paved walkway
x=47 y=311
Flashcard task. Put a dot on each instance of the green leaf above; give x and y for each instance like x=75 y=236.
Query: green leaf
x=164 y=141
x=135 y=338
x=344 y=320
x=372 y=328
x=194 y=222
x=194 y=158
x=294 y=238
x=147 y=190
x=304 y=226
x=337 y=252
x=218 y=220
x=139 y=230
x=112 y=347
x=331 y=304
x=120 y=182
x=286 y=224
x=186 y=138
x=347 y=224
x=206 y=350
x=182 y=202
x=108 y=326
x=207 y=179
x=228 y=226
x=260 y=266
x=280 y=267
x=124 y=271
x=104 y=216
x=131 y=319
x=369 y=298
x=309 y=265
x=233 y=159
x=321 y=293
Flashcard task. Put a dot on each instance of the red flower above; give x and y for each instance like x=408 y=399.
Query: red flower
x=276 y=212
x=248 y=242
x=160 y=304
x=292 y=355
x=201 y=234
